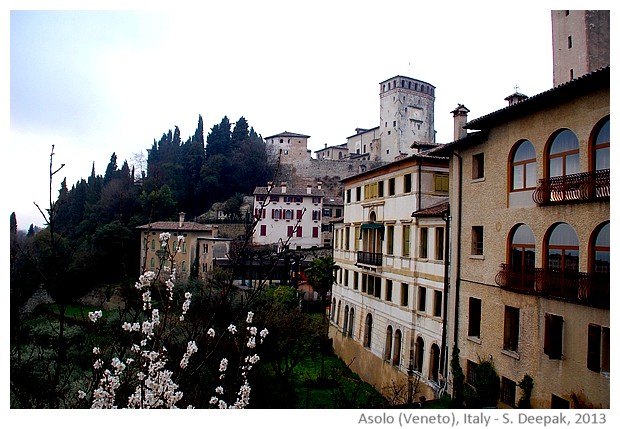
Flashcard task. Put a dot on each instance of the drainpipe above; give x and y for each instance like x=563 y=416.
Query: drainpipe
x=443 y=364
x=457 y=279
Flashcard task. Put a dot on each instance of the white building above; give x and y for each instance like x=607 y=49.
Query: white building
x=288 y=216
x=387 y=303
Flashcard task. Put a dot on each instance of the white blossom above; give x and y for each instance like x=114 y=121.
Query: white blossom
x=94 y=315
x=250 y=316
x=211 y=332
x=232 y=329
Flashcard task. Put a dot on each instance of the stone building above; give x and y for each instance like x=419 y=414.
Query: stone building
x=387 y=303
x=580 y=43
x=530 y=237
x=193 y=247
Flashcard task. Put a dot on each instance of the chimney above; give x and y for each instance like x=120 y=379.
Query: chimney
x=460 y=119
x=319 y=185
x=283 y=184
x=515 y=98
x=181 y=219
x=309 y=189
x=269 y=186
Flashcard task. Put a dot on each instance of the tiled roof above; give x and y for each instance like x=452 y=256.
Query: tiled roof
x=277 y=190
x=174 y=226
x=288 y=134
x=435 y=210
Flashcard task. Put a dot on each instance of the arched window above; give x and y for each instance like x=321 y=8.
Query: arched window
x=419 y=354
x=563 y=248
x=564 y=154
x=434 y=369
x=601 y=147
x=153 y=244
x=183 y=266
x=152 y=263
x=522 y=248
x=333 y=310
x=523 y=167
x=338 y=313
x=368 y=331
x=398 y=342
x=345 y=322
x=600 y=250
x=388 y=343
x=351 y=318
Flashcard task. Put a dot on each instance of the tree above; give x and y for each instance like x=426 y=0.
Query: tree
x=321 y=275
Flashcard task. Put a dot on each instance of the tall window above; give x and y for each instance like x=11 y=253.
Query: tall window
x=388 y=343
x=351 y=320
x=477 y=240
x=263 y=230
x=598 y=348
x=477 y=168
x=563 y=248
x=471 y=372
x=601 y=255
x=421 y=298
x=508 y=391
x=564 y=154
x=437 y=303
x=439 y=243
x=601 y=148
x=391 y=186
x=423 y=243
x=406 y=240
x=522 y=248
x=404 y=294
x=345 y=321
x=419 y=354
x=434 y=367
x=407 y=183
x=511 y=328
x=475 y=313
x=368 y=331
x=552 y=346
x=398 y=343
x=523 y=167
x=390 y=239
x=388 y=290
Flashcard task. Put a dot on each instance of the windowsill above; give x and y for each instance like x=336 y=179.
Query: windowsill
x=480 y=179
x=476 y=340
x=512 y=354
x=479 y=257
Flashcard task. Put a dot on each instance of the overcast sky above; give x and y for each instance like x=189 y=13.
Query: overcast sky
x=97 y=82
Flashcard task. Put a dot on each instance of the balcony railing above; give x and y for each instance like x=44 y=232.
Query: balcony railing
x=581 y=187
x=576 y=287
x=370 y=258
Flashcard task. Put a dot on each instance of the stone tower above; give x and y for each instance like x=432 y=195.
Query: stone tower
x=580 y=43
x=407 y=111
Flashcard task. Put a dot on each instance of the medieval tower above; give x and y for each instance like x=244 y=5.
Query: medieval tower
x=407 y=109
x=580 y=43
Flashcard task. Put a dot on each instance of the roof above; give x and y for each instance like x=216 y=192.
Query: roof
x=333 y=201
x=470 y=139
x=428 y=155
x=339 y=146
x=360 y=131
x=435 y=210
x=174 y=226
x=288 y=134
x=582 y=85
x=277 y=190
x=406 y=77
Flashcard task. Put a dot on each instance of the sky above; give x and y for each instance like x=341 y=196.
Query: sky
x=112 y=79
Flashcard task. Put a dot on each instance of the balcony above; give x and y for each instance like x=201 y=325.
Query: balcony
x=370 y=258
x=581 y=187
x=579 y=288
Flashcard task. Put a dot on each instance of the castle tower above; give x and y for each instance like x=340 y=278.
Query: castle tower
x=580 y=43
x=407 y=111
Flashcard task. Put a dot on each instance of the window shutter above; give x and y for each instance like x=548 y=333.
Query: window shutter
x=594 y=348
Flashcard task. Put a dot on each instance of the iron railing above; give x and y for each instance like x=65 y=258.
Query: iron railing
x=370 y=258
x=580 y=187
x=591 y=289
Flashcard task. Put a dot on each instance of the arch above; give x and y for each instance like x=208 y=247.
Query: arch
x=333 y=310
x=345 y=322
x=433 y=372
x=338 y=313
x=368 y=331
x=388 y=343
x=562 y=248
x=523 y=166
x=419 y=354
x=372 y=216
x=522 y=246
x=398 y=345
x=351 y=319
x=600 y=250
x=563 y=154
x=599 y=146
